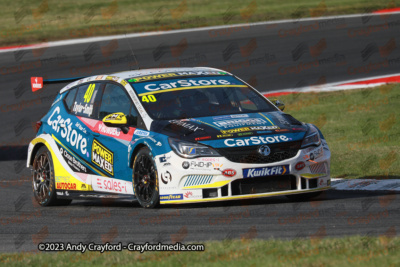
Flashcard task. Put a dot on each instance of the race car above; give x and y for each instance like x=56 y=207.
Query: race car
x=171 y=136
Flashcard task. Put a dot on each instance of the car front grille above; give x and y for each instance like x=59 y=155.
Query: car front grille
x=261 y=185
x=250 y=154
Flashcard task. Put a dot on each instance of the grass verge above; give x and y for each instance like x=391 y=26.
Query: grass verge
x=348 y=251
x=362 y=128
x=24 y=22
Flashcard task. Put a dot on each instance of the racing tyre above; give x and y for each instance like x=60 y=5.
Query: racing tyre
x=43 y=182
x=304 y=197
x=145 y=179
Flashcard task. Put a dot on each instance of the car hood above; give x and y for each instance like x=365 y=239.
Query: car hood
x=221 y=131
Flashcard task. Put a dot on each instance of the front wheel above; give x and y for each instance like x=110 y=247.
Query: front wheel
x=43 y=183
x=145 y=179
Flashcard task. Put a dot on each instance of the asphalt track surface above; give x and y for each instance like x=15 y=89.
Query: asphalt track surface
x=269 y=56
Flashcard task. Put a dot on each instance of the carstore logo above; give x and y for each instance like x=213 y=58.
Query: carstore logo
x=255 y=140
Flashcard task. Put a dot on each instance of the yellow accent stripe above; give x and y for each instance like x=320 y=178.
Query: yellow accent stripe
x=266 y=118
x=58 y=141
x=216 y=184
x=310 y=176
x=245 y=196
x=59 y=169
x=191 y=87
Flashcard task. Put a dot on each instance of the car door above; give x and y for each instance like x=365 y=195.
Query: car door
x=72 y=137
x=109 y=151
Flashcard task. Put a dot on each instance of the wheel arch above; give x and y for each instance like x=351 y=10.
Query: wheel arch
x=134 y=152
x=34 y=151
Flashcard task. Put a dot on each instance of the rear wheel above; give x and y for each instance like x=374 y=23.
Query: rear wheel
x=43 y=182
x=304 y=197
x=145 y=179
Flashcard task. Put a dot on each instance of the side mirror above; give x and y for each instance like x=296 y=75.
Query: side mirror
x=117 y=120
x=279 y=104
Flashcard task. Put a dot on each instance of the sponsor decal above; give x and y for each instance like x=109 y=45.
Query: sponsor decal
x=60 y=193
x=74 y=163
x=217 y=166
x=188 y=194
x=175 y=75
x=244 y=134
x=184 y=83
x=114 y=116
x=69 y=186
x=89 y=93
x=112 y=78
x=237 y=130
x=186 y=125
x=251 y=128
x=164 y=158
x=226 y=117
x=202 y=138
x=109 y=130
x=229 y=172
x=316 y=153
x=197 y=165
x=282 y=130
x=102 y=157
x=185 y=165
x=123 y=82
x=36 y=83
x=256 y=140
x=166 y=177
x=99 y=78
x=75 y=139
x=264 y=132
x=171 y=197
x=300 y=165
x=83 y=109
x=80 y=127
x=224 y=135
x=112 y=185
x=141 y=132
x=239 y=122
x=260 y=128
x=266 y=171
x=264 y=150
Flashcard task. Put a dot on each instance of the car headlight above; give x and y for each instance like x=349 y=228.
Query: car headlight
x=191 y=150
x=312 y=138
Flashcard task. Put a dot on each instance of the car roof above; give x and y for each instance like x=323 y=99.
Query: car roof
x=137 y=73
x=120 y=76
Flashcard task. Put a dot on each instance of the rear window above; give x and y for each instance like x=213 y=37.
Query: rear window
x=69 y=99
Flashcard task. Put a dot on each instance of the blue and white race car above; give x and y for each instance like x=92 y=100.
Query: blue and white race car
x=165 y=136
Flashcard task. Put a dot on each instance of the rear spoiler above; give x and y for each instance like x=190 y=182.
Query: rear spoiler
x=38 y=82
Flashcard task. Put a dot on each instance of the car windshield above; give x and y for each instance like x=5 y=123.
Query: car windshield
x=199 y=97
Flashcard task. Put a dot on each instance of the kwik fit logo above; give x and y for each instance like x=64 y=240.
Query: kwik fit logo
x=266 y=171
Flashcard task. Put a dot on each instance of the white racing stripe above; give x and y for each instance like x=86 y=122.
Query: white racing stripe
x=143 y=34
x=365 y=184
x=337 y=86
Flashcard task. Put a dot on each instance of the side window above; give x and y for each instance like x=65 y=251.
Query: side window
x=115 y=100
x=84 y=104
x=69 y=99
